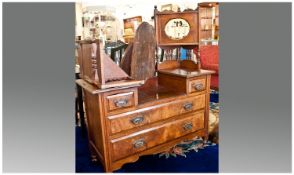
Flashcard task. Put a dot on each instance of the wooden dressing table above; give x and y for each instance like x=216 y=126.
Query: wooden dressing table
x=127 y=122
x=128 y=118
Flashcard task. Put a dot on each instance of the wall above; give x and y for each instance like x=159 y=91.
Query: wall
x=126 y=8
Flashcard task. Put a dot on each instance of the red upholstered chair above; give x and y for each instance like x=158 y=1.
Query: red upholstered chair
x=209 y=60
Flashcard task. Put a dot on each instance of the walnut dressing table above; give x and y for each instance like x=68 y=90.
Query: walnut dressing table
x=127 y=122
x=128 y=118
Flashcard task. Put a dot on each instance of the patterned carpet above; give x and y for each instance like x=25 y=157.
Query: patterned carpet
x=198 y=143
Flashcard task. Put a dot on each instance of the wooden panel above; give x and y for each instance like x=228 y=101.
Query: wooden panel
x=153 y=114
x=86 y=66
x=177 y=83
x=143 y=53
x=152 y=93
x=94 y=120
x=161 y=19
x=197 y=85
x=142 y=140
x=126 y=59
x=190 y=65
x=168 y=64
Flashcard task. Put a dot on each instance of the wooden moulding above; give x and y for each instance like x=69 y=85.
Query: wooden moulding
x=93 y=89
x=97 y=67
x=176 y=64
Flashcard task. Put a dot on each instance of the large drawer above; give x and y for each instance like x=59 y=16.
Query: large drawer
x=142 y=140
x=133 y=119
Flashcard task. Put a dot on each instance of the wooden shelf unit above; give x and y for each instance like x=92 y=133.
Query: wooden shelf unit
x=208 y=21
x=130 y=28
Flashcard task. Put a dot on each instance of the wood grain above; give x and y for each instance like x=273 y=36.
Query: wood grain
x=161 y=18
x=161 y=102
x=197 y=85
x=125 y=121
x=143 y=55
x=125 y=146
x=127 y=59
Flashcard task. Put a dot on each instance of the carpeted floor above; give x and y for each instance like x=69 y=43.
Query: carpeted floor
x=203 y=161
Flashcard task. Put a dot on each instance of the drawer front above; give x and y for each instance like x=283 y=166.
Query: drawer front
x=145 y=116
x=136 y=142
x=196 y=85
x=120 y=101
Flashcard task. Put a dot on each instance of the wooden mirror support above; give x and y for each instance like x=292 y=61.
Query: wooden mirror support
x=173 y=70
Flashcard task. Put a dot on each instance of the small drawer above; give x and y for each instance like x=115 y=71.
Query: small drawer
x=137 y=118
x=120 y=101
x=142 y=140
x=196 y=85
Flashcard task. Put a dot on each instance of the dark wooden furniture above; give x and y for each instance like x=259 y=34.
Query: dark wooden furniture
x=128 y=120
x=130 y=26
x=208 y=22
x=97 y=67
x=139 y=58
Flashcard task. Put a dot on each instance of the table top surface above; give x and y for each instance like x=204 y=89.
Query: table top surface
x=187 y=73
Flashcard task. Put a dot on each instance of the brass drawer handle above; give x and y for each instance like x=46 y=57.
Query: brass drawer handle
x=188 y=106
x=139 y=143
x=137 y=120
x=199 y=87
x=188 y=126
x=121 y=103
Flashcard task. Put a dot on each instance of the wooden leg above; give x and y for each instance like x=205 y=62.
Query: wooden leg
x=76 y=111
x=206 y=137
x=81 y=110
x=108 y=170
x=81 y=107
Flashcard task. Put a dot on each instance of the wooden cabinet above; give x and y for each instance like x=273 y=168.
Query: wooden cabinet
x=208 y=22
x=130 y=26
x=125 y=123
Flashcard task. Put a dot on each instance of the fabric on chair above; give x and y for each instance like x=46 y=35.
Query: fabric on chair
x=209 y=59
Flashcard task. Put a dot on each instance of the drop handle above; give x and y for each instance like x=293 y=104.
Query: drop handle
x=139 y=143
x=199 y=86
x=137 y=120
x=188 y=126
x=188 y=106
x=121 y=103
